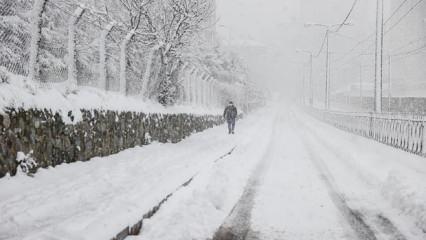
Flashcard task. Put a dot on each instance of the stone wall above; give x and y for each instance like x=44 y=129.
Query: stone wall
x=99 y=133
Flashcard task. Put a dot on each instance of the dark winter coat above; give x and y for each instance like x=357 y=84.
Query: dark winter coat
x=230 y=113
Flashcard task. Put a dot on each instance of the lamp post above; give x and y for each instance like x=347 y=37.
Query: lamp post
x=328 y=28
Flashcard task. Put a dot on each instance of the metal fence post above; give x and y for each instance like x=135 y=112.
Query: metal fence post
x=193 y=87
x=205 y=91
x=37 y=13
x=72 y=79
x=198 y=88
x=187 y=86
x=102 y=57
x=123 y=61
x=147 y=74
x=211 y=102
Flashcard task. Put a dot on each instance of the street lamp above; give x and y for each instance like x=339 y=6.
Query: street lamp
x=328 y=28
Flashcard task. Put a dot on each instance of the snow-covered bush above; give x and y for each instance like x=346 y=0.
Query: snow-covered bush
x=4 y=76
x=26 y=162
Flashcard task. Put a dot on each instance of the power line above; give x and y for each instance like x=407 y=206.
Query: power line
x=396 y=11
x=322 y=45
x=410 y=52
x=404 y=16
x=409 y=44
x=373 y=34
x=344 y=22
x=347 y=16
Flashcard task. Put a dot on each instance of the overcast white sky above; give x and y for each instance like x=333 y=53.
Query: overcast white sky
x=278 y=25
x=256 y=19
x=266 y=20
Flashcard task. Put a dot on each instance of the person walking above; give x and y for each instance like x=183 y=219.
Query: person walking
x=230 y=115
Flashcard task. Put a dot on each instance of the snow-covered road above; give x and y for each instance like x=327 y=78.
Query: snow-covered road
x=287 y=176
x=328 y=184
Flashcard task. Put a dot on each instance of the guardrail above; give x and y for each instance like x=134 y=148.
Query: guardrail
x=405 y=132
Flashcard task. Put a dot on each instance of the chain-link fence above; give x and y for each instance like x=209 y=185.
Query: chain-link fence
x=73 y=42
x=15 y=35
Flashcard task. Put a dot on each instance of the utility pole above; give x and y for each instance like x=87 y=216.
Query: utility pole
x=311 y=81
x=327 y=65
x=390 y=83
x=360 y=87
x=378 y=76
x=303 y=85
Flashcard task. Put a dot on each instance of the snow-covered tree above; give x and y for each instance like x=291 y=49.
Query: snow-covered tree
x=136 y=46
x=172 y=25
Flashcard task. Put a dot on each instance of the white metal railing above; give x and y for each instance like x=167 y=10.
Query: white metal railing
x=404 y=132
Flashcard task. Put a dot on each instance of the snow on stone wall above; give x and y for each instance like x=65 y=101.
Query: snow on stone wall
x=100 y=133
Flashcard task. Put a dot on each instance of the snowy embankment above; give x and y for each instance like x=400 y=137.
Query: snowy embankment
x=57 y=97
x=375 y=178
x=97 y=199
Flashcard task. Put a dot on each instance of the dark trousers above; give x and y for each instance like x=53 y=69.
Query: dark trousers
x=231 y=125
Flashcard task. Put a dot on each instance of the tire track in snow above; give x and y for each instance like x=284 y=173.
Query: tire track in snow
x=353 y=217
x=226 y=155
x=389 y=228
x=357 y=219
x=137 y=227
x=382 y=223
x=237 y=225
